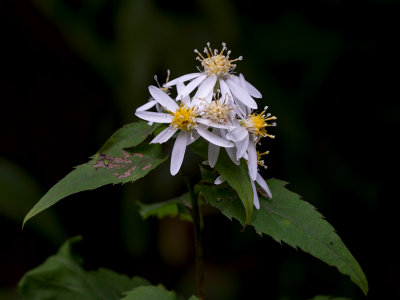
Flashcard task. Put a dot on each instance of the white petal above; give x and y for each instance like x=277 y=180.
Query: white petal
x=206 y=87
x=238 y=134
x=232 y=155
x=241 y=94
x=241 y=107
x=220 y=179
x=263 y=184
x=147 y=106
x=242 y=147
x=255 y=196
x=237 y=108
x=191 y=86
x=231 y=151
x=209 y=97
x=249 y=87
x=154 y=116
x=163 y=98
x=252 y=162
x=164 y=135
x=179 y=87
x=234 y=78
x=192 y=138
x=213 y=151
x=225 y=91
x=212 y=138
x=212 y=124
x=178 y=152
x=182 y=79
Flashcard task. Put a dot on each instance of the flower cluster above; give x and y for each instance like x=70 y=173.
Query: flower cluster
x=216 y=105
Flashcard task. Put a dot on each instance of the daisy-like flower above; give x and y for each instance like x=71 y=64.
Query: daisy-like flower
x=217 y=66
x=152 y=102
x=247 y=133
x=184 y=118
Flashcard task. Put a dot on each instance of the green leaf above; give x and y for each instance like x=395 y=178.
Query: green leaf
x=150 y=292
x=61 y=277
x=128 y=136
x=114 y=165
x=236 y=176
x=153 y=293
x=179 y=206
x=287 y=218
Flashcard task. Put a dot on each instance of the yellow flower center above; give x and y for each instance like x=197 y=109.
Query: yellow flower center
x=257 y=124
x=216 y=63
x=184 y=118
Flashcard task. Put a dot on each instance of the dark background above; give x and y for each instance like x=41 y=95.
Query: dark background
x=74 y=72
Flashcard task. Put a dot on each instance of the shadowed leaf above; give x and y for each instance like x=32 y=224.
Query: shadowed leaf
x=19 y=192
x=236 y=176
x=287 y=218
x=62 y=277
x=153 y=293
x=179 y=206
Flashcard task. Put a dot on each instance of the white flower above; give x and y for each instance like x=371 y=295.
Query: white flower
x=152 y=102
x=217 y=67
x=213 y=150
x=247 y=133
x=183 y=117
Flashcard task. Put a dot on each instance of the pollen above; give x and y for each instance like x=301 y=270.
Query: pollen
x=184 y=118
x=257 y=124
x=217 y=111
x=216 y=62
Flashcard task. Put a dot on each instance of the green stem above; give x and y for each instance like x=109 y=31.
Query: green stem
x=198 y=239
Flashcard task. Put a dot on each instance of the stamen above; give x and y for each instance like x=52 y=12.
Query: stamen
x=257 y=124
x=260 y=161
x=216 y=63
x=217 y=111
x=156 y=79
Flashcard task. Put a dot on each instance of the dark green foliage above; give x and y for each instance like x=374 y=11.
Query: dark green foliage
x=236 y=176
x=179 y=206
x=287 y=218
x=62 y=277
x=153 y=292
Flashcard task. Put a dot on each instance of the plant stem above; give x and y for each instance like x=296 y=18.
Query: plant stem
x=198 y=239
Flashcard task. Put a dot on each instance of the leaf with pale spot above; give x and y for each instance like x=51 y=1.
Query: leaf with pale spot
x=118 y=162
